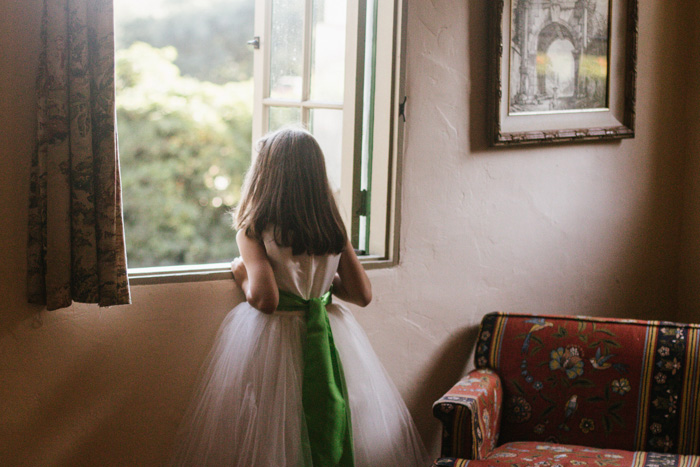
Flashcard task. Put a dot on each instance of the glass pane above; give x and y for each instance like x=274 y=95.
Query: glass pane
x=328 y=52
x=327 y=126
x=281 y=116
x=286 y=49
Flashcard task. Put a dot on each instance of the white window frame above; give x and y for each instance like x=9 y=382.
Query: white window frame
x=387 y=128
x=262 y=102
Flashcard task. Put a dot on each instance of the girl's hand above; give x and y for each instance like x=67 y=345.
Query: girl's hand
x=240 y=274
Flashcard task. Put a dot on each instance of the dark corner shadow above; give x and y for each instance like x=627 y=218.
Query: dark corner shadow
x=477 y=51
x=446 y=368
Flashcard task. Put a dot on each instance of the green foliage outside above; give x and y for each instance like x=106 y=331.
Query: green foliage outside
x=209 y=35
x=184 y=118
x=185 y=145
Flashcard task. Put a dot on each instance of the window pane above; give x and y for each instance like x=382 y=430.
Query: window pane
x=328 y=53
x=184 y=115
x=327 y=126
x=286 y=49
x=281 y=116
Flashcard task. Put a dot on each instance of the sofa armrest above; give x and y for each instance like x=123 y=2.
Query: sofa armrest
x=470 y=413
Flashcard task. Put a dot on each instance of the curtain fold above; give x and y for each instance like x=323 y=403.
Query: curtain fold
x=76 y=248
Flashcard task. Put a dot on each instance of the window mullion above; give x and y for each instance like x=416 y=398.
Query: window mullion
x=261 y=73
x=309 y=103
x=306 y=66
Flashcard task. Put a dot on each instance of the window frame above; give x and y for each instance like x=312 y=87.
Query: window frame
x=389 y=120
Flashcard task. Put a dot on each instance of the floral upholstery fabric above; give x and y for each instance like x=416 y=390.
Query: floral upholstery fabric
x=600 y=387
x=534 y=454
x=599 y=382
x=471 y=411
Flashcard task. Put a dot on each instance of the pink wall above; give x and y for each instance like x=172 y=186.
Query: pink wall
x=587 y=229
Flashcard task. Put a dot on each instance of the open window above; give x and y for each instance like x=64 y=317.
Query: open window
x=330 y=65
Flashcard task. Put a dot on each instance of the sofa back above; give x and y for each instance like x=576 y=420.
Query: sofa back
x=599 y=382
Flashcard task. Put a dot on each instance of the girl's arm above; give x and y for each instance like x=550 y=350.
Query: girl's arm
x=254 y=274
x=351 y=282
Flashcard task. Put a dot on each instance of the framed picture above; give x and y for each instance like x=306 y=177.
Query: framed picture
x=562 y=70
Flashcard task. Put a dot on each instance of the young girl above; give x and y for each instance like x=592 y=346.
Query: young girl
x=281 y=387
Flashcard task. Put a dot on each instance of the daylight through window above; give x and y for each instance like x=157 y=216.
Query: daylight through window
x=199 y=81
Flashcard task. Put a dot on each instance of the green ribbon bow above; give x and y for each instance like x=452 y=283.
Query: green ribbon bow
x=324 y=394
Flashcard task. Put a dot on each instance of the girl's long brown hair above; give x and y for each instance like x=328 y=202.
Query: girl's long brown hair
x=287 y=188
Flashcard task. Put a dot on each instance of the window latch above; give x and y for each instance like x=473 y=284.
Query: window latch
x=402 y=108
x=255 y=42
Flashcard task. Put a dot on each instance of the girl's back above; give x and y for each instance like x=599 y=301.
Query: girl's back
x=304 y=275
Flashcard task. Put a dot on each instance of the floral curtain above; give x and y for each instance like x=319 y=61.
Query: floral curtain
x=76 y=246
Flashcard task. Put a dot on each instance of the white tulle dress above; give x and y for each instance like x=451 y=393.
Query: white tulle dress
x=246 y=409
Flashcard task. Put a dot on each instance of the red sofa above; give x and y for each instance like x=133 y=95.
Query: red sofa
x=559 y=391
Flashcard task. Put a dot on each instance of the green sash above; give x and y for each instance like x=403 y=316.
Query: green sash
x=324 y=395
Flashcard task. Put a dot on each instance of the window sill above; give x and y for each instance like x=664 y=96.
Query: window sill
x=215 y=272
x=175 y=274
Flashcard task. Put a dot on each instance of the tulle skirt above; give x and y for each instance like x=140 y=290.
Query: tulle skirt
x=247 y=411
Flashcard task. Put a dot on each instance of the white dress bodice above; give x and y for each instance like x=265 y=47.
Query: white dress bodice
x=307 y=276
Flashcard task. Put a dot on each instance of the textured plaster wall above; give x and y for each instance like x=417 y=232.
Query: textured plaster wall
x=587 y=229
